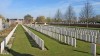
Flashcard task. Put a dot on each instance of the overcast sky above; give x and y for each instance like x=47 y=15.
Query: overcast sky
x=19 y=8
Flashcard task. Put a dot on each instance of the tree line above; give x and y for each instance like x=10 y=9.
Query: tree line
x=87 y=14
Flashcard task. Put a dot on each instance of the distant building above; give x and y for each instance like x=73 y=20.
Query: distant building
x=19 y=21
x=14 y=21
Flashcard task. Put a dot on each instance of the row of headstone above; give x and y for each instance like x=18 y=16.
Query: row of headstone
x=85 y=37
x=37 y=39
x=73 y=23
x=58 y=36
x=6 y=40
x=79 y=34
x=88 y=35
x=67 y=34
x=10 y=34
x=83 y=31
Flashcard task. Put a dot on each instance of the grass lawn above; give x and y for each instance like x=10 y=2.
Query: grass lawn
x=24 y=46
x=83 y=48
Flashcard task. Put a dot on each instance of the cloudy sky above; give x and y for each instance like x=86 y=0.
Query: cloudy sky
x=19 y=8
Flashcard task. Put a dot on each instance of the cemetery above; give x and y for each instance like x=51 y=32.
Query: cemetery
x=50 y=28
x=49 y=40
x=89 y=36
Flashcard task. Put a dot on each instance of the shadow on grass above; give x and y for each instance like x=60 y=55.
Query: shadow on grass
x=49 y=37
x=14 y=53
x=98 y=54
x=32 y=42
x=82 y=51
x=86 y=52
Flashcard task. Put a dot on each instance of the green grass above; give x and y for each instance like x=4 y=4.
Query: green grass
x=22 y=46
x=83 y=48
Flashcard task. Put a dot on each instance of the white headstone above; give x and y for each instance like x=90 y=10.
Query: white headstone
x=86 y=38
x=71 y=41
x=93 y=49
x=68 y=40
x=91 y=38
x=65 y=39
x=66 y=33
x=1 y=27
x=74 y=42
x=94 y=39
x=59 y=37
x=75 y=35
x=98 y=40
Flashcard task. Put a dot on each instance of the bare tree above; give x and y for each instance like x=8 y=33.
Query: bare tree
x=87 y=12
x=70 y=14
x=58 y=16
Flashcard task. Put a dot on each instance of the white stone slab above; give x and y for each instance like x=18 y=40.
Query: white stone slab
x=65 y=39
x=68 y=40
x=1 y=26
x=74 y=42
x=93 y=49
